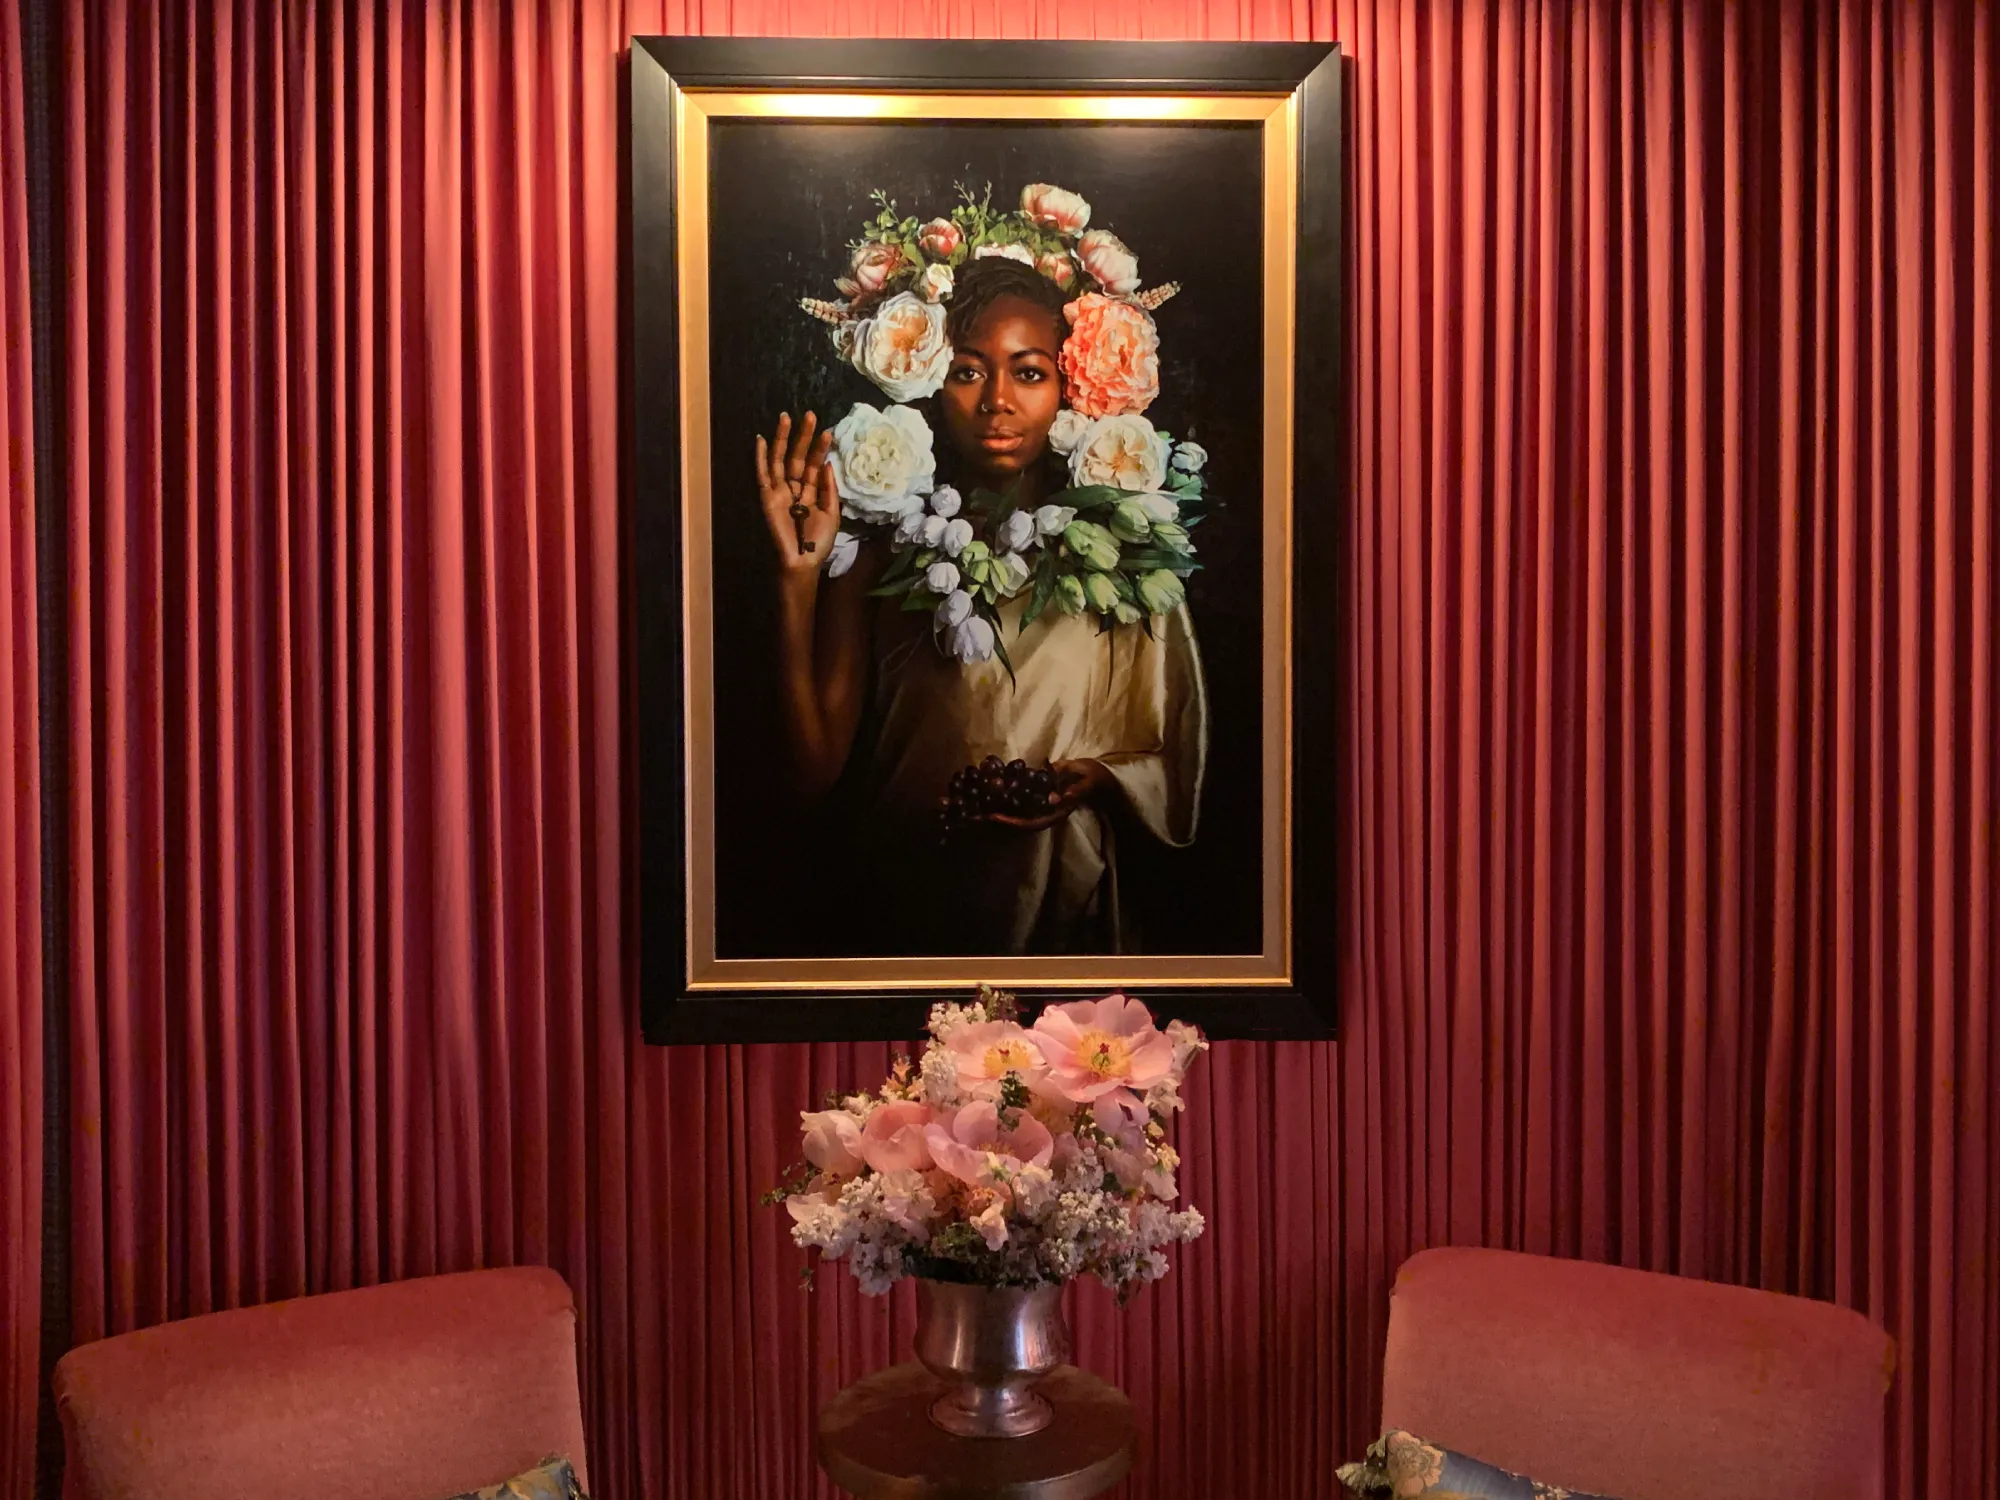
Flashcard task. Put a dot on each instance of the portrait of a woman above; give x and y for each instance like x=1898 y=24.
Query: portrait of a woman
x=981 y=587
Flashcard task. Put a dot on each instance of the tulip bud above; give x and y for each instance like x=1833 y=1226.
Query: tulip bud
x=1129 y=523
x=1101 y=593
x=1069 y=594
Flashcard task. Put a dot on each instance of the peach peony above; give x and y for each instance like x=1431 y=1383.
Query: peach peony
x=1109 y=261
x=893 y=1140
x=978 y=1129
x=833 y=1141
x=1094 y=1047
x=1054 y=209
x=986 y=1053
x=1111 y=359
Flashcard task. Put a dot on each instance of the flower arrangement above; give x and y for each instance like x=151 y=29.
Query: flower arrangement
x=1008 y=1155
x=1115 y=543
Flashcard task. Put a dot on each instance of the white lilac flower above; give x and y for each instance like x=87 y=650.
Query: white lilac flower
x=1189 y=457
x=942 y=578
x=971 y=640
x=945 y=501
x=939 y=1072
x=1017 y=532
x=957 y=533
x=1068 y=430
x=846 y=546
x=956 y=606
x=882 y=462
x=1053 y=520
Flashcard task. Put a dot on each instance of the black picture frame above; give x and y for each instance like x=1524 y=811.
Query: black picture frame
x=659 y=68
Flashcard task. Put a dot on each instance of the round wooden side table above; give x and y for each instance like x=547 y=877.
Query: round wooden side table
x=877 y=1442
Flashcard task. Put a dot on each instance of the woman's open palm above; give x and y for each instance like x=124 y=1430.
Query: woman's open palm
x=792 y=471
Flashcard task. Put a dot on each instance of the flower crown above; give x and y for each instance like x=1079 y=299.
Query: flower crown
x=1115 y=543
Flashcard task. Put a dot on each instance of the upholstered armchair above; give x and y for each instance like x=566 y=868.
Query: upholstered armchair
x=411 y=1391
x=1634 y=1384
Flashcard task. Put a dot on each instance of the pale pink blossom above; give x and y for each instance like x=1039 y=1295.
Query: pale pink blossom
x=940 y=239
x=1058 y=268
x=1055 y=209
x=893 y=1139
x=977 y=1131
x=833 y=1141
x=987 y=1052
x=1095 y=1046
x=1106 y=257
x=875 y=264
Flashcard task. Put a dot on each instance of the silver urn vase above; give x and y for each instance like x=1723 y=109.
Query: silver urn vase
x=989 y=1345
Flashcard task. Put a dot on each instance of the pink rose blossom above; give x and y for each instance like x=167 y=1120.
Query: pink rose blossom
x=875 y=264
x=1106 y=257
x=940 y=239
x=987 y=1052
x=1094 y=1047
x=1058 y=268
x=1111 y=359
x=893 y=1139
x=978 y=1129
x=833 y=1141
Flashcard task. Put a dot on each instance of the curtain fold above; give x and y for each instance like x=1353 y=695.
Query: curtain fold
x=1668 y=904
x=21 y=1139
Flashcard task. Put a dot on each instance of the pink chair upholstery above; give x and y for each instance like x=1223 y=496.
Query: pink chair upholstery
x=1633 y=1384
x=412 y=1391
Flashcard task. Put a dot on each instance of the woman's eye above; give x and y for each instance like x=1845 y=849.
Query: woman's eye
x=965 y=373
x=1031 y=375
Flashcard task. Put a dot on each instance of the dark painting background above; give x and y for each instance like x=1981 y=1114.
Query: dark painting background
x=786 y=199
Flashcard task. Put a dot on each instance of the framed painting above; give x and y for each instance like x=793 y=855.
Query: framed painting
x=986 y=461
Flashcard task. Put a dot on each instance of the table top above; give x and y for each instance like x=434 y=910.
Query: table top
x=877 y=1442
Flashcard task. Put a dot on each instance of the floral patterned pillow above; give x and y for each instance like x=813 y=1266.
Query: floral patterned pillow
x=551 y=1479
x=1400 y=1464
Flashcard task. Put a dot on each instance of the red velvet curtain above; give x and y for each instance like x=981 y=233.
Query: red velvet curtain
x=1670 y=887
x=20 y=810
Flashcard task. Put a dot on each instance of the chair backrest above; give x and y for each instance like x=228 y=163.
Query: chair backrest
x=1634 y=1384
x=411 y=1391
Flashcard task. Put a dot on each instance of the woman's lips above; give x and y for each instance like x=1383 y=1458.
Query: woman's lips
x=1000 y=441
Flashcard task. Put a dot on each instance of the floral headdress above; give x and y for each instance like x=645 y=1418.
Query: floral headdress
x=1115 y=544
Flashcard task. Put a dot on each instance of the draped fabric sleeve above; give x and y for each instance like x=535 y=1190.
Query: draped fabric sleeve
x=1160 y=728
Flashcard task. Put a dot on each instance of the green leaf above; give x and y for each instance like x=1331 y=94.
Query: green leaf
x=920 y=599
x=1092 y=496
x=1044 y=591
x=891 y=590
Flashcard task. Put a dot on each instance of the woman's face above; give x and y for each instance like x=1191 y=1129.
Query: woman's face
x=1004 y=390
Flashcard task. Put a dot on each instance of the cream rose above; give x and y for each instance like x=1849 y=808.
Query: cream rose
x=1067 y=430
x=940 y=239
x=901 y=346
x=1054 y=209
x=1005 y=252
x=1123 y=451
x=882 y=463
x=935 y=283
x=1111 y=359
x=1106 y=257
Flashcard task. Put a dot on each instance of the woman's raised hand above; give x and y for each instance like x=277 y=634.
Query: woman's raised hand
x=792 y=471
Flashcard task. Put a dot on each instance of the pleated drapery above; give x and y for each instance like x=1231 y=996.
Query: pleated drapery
x=1668 y=901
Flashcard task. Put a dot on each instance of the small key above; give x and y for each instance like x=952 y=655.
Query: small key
x=800 y=510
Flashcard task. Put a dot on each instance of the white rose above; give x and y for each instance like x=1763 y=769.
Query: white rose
x=956 y=534
x=1010 y=573
x=1157 y=507
x=902 y=348
x=882 y=462
x=957 y=605
x=1067 y=430
x=935 y=283
x=1054 y=209
x=944 y=501
x=841 y=557
x=1053 y=520
x=1189 y=457
x=971 y=638
x=1123 y=451
x=1017 y=532
x=1005 y=252
x=1106 y=258
x=941 y=577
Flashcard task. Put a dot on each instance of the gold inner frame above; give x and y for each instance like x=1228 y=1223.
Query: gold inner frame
x=1272 y=966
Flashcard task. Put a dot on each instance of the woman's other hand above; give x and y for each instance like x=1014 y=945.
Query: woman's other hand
x=1077 y=782
x=792 y=470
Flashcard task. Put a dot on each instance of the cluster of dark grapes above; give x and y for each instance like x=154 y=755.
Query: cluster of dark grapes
x=1012 y=788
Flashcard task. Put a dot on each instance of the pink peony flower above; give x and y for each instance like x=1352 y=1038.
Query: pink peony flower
x=1096 y=1046
x=875 y=264
x=1054 y=209
x=833 y=1141
x=978 y=1129
x=1111 y=359
x=940 y=239
x=1106 y=257
x=1058 y=268
x=988 y=1052
x=893 y=1139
